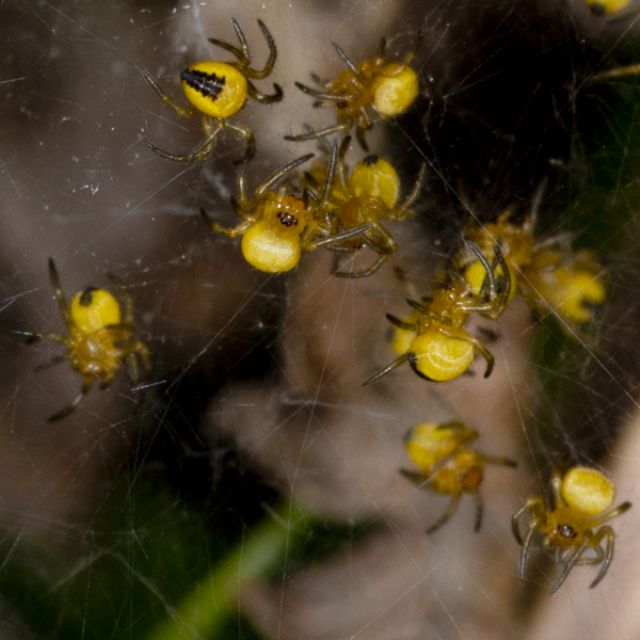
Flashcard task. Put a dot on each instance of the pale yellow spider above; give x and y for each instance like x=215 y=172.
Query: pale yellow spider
x=389 y=88
x=572 y=526
x=447 y=465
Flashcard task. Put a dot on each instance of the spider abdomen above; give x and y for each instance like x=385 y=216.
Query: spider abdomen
x=217 y=89
x=438 y=357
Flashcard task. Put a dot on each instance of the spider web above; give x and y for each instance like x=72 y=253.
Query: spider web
x=250 y=488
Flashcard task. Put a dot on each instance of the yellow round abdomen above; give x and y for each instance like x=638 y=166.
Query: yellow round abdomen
x=587 y=490
x=264 y=248
x=439 y=357
x=394 y=89
x=216 y=89
x=93 y=309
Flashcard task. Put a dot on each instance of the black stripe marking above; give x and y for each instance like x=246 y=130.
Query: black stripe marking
x=86 y=297
x=208 y=84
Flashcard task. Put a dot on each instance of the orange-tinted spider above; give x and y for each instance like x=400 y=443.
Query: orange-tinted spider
x=434 y=341
x=278 y=223
x=98 y=339
x=546 y=271
x=447 y=465
x=389 y=88
x=365 y=195
x=571 y=527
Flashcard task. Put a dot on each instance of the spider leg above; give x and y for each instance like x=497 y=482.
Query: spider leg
x=488 y=334
x=137 y=355
x=489 y=282
x=449 y=511
x=383 y=372
x=382 y=48
x=502 y=296
x=73 y=405
x=608 y=515
x=56 y=360
x=231 y=49
x=32 y=337
x=276 y=178
x=54 y=279
x=362 y=127
x=312 y=181
x=261 y=97
x=343 y=127
x=140 y=351
x=247 y=134
x=331 y=175
x=569 y=563
x=419 y=479
x=339 y=237
x=132 y=366
x=556 y=489
x=349 y=63
x=242 y=40
x=325 y=95
x=416 y=305
x=183 y=112
x=609 y=536
x=258 y=74
x=233 y=232
x=365 y=273
x=126 y=299
x=199 y=153
x=524 y=552
x=499 y=460
x=479 y=509
x=415 y=192
x=466 y=337
x=515 y=528
x=618 y=72
x=401 y=324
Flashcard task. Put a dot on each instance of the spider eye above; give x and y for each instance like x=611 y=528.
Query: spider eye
x=287 y=219
x=566 y=531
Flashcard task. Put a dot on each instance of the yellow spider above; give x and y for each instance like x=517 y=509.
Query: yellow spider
x=606 y=7
x=571 y=527
x=570 y=284
x=434 y=340
x=218 y=90
x=389 y=88
x=277 y=225
x=546 y=272
x=369 y=193
x=98 y=340
x=447 y=464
